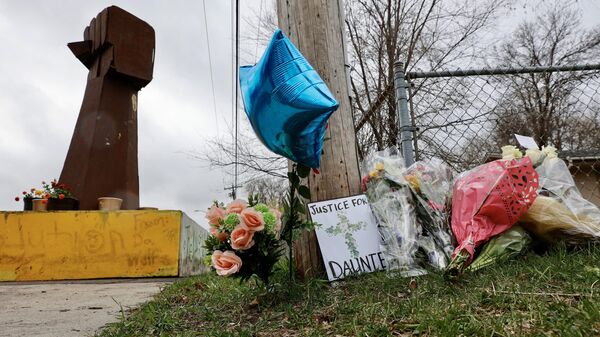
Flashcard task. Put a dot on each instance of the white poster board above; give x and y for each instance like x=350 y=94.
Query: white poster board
x=348 y=236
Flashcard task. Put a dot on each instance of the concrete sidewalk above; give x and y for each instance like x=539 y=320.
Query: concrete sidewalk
x=69 y=308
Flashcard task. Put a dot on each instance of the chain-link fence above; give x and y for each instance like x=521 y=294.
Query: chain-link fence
x=465 y=116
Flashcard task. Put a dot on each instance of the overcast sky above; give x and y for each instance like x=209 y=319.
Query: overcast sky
x=42 y=86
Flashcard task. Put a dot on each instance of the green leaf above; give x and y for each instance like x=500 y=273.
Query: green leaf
x=293 y=178
x=304 y=191
x=300 y=208
x=303 y=171
x=309 y=225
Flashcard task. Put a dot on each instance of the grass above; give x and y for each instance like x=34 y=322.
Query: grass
x=555 y=294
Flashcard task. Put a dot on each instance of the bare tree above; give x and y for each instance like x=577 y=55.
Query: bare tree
x=253 y=159
x=465 y=120
x=429 y=34
x=257 y=30
x=257 y=167
x=267 y=190
x=554 y=107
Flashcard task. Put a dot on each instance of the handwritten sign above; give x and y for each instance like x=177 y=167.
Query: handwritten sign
x=527 y=142
x=348 y=236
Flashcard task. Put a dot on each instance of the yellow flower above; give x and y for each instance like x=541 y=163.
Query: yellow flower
x=379 y=166
x=414 y=182
x=39 y=192
x=373 y=174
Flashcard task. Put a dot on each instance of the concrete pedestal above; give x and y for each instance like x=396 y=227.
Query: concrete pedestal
x=67 y=245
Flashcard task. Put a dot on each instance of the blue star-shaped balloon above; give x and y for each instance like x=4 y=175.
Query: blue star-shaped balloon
x=287 y=102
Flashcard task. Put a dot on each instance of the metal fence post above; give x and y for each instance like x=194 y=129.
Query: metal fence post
x=405 y=126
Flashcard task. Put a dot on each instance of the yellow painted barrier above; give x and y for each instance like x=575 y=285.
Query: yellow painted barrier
x=89 y=244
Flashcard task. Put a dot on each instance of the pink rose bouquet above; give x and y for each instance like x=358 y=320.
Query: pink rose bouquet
x=244 y=239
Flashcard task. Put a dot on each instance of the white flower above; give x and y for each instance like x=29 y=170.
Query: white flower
x=549 y=151
x=510 y=152
x=535 y=155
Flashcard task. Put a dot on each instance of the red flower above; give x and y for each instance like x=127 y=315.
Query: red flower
x=43 y=183
x=24 y=193
x=365 y=181
x=32 y=190
x=47 y=195
x=17 y=199
x=61 y=196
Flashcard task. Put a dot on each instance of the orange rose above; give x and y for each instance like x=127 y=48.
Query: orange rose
x=252 y=219
x=222 y=236
x=61 y=196
x=236 y=206
x=241 y=238
x=215 y=214
x=226 y=263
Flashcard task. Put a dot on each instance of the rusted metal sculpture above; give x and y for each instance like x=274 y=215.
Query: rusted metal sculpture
x=118 y=50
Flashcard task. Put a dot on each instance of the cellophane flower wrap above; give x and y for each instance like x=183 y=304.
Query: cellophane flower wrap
x=560 y=212
x=244 y=240
x=430 y=182
x=389 y=197
x=487 y=201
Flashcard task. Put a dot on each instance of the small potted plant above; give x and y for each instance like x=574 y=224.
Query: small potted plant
x=60 y=197
x=53 y=197
x=29 y=197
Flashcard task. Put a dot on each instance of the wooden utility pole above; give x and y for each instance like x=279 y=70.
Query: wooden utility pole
x=316 y=27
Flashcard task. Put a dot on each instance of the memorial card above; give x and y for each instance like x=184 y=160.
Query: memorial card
x=348 y=236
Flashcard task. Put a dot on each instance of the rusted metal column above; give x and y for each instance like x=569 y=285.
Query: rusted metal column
x=102 y=161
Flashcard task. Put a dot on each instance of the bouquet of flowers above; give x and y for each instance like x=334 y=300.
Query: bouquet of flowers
x=560 y=212
x=389 y=196
x=487 y=201
x=431 y=186
x=245 y=239
x=502 y=247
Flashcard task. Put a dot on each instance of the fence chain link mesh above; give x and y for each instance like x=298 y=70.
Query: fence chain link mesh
x=463 y=117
